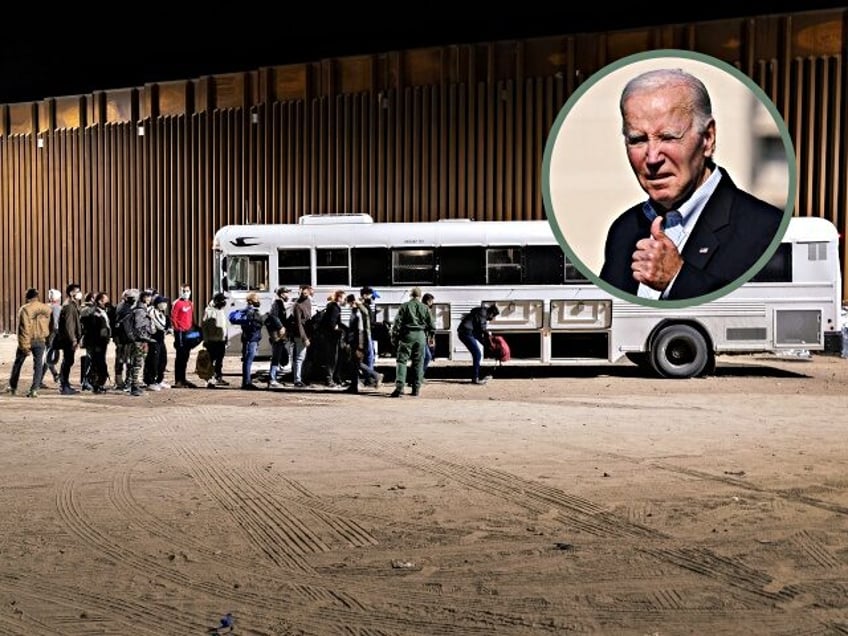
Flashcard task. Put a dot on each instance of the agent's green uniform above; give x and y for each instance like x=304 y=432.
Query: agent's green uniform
x=411 y=328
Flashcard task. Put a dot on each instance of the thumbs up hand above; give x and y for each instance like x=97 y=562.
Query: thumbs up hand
x=656 y=260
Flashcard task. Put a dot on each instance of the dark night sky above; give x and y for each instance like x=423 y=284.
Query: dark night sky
x=56 y=57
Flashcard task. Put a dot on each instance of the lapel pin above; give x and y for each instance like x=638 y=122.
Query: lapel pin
x=703 y=250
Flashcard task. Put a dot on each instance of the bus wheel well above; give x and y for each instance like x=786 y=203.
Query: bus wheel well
x=681 y=349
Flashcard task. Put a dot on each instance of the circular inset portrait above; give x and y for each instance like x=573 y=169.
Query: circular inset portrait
x=669 y=178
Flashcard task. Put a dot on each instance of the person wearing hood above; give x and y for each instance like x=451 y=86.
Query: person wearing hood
x=156 y=359
x=214 y=328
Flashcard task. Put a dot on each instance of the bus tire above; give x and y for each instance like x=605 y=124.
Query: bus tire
x=680 y=351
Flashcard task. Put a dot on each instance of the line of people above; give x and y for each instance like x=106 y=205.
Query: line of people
x=314 y=345
x=136 y=326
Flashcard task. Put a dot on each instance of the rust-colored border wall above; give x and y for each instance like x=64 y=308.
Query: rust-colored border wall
x=127 y=187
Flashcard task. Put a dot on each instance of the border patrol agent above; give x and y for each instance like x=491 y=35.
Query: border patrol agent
x=411 y=329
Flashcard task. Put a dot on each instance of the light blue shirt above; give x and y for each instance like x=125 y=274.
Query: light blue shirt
x=690 y=211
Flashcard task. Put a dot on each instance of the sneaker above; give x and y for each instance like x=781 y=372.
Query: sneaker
x=273 y=384
x=299 y=384
x=221 y=382
x=249 y=387
x=189 y=385
x=11 y=391
x=136 y=391
x=211 y=384
x=415 y=391
x=67 y=390
x=397 y=393
x=163 y=385
x=32 y=393
x=86 y=387
x=479 y=381
x=153 y=387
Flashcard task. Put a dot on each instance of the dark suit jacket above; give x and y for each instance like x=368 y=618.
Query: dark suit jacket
x=732 y=233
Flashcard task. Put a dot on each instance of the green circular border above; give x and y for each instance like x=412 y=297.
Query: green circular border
x=787 y=146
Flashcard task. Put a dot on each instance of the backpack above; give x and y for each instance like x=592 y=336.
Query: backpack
x=312 y=325
x=192 y=338
x=500 y=349
x=126 y=327
x=238 y=317
x=291 y=325
x=203 y=367
x=275 y=328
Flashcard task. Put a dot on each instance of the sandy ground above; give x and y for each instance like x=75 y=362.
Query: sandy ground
x=592 y=500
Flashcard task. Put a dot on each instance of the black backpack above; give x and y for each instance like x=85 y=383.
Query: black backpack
x=125 y=327
x=313 y=325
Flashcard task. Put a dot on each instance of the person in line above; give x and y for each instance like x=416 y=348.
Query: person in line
x=697 y=232
x=277 y=335
x=123 y=345
x=329 y=338
x=51 y=356
x=367 y=298
x=358 y=336
x=86 y=309
x=182 y=320
x=430 y=349
x=97 y=332
x=154 y=369
x=250 y=320
x=140 y=337
x=214 y=328
x=34 y=328
x=412 y=327
x=301 y=313
x=473 y=332
x=69 y=336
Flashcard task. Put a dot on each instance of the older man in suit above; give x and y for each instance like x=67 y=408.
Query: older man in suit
x=697 y=232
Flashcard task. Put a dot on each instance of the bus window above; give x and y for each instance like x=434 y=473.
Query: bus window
x=248 y=273
x=779 y=267
x=219 y=269
x=503 y=265
x=543 y=265
x=370 y=266
x=293 y=267
x=413 y=266
x=572 y=274
x=331 y=266
x=462 y=265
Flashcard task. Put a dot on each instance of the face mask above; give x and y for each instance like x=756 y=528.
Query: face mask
x=255 y=304
x=185 y=295
x=162 y=306
x=78 y=296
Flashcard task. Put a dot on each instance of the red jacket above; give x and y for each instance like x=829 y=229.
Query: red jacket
x=182 y=315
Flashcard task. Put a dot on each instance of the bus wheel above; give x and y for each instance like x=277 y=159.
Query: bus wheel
x=680 y=351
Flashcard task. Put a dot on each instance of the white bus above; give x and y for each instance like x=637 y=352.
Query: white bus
x=549 y=313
